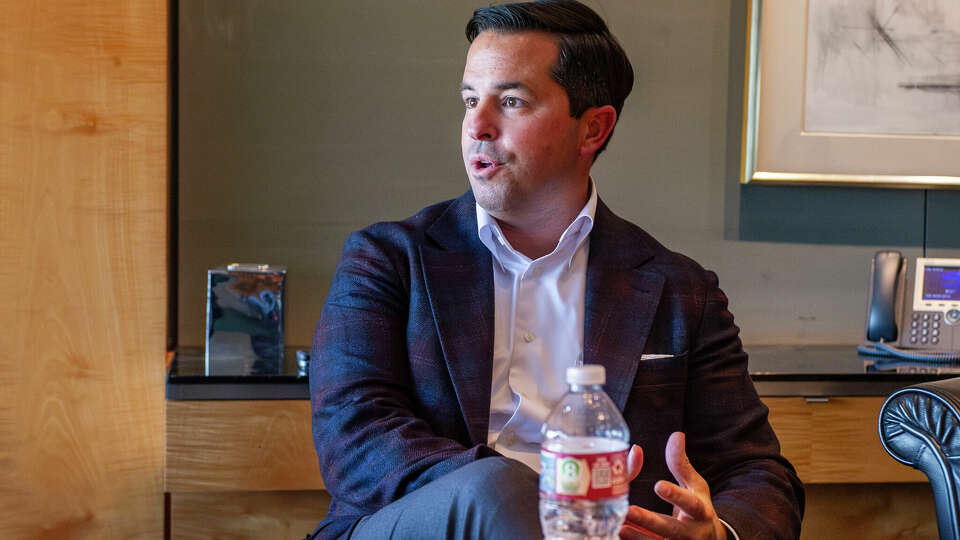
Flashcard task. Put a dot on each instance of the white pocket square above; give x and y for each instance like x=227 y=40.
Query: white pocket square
x=654 y=356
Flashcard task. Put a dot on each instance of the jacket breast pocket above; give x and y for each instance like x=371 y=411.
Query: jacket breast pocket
x=655 y=407
x=653 y=372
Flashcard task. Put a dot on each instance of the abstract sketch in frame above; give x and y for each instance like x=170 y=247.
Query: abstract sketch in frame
x=853 y=92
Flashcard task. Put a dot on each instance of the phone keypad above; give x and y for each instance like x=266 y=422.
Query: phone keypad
x=925 y=328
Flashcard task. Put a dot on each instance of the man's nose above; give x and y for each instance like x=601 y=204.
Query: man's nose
x=481 y=124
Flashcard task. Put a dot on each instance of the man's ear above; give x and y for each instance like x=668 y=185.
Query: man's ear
x=595 y=127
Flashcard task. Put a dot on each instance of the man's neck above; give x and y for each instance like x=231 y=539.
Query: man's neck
x=537 y=235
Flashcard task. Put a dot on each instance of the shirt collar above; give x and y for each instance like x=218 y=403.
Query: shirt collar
x=577 y=232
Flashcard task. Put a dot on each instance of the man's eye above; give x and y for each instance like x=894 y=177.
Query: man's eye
x=470 y=102
x=511 y=102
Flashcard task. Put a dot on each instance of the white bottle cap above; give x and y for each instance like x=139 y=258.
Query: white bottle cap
x=587 y=374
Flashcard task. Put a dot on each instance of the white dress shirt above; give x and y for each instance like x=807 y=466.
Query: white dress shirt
x=538 y=330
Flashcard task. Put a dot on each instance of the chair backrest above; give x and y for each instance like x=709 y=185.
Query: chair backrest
x=920 y=427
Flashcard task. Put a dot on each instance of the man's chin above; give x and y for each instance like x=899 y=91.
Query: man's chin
x=491 y=198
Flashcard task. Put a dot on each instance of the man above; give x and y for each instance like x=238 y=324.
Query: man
x=444 y=338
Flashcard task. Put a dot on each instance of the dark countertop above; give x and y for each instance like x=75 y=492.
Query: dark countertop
x=186 y=379
x=777 y=370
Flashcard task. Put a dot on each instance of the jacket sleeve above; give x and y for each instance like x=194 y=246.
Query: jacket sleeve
x=729 y=440
x=372 y=447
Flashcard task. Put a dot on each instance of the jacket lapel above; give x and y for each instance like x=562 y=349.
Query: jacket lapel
x=621 y=301
x=458 y=273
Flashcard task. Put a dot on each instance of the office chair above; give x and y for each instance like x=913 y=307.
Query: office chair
x=920 y=427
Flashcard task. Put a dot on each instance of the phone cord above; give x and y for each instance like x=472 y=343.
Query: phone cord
x=882 y=349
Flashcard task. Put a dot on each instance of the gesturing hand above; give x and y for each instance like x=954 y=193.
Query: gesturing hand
x=693 y=515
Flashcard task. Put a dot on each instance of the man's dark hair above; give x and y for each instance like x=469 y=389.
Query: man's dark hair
x=592 y=67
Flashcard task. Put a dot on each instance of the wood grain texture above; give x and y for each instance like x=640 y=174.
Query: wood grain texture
x=83 y=221
x=267 y=445
x=240 y=515
x=240 y=445
x=836 y=441
x=874 y=511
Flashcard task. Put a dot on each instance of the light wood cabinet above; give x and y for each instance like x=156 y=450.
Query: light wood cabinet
x=264 y=445
x=250 y=445
x=248 y=469
x=835 y=441
x=242 y=469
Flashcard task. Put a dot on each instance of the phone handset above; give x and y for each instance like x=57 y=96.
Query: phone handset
x=932 y=322
x=886 y=296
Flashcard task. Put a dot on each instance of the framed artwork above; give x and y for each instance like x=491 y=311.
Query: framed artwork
x=853 y=92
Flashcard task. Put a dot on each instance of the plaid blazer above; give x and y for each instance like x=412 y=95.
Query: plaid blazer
x=401 y=364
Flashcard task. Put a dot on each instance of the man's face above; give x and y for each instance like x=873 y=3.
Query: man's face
x=520 y=145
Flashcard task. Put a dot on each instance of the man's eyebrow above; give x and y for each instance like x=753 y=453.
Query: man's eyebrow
x=511 y=85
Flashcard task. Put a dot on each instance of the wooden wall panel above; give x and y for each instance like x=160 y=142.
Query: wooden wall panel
x=240 y=445
x=83 y=221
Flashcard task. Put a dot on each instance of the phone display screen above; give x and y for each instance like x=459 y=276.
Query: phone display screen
x=941 y=283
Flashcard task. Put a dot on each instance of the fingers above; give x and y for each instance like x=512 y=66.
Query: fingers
x=693 y=512
x=645 y=524
x=634 y=462
x=679 y=464
x=685 y=500
x=632 y=530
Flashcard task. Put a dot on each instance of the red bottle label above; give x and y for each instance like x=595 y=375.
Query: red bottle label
x=583 y=476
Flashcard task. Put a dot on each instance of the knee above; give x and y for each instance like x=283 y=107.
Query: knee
x=498 y=477
x=493 y=497
x=496 y=497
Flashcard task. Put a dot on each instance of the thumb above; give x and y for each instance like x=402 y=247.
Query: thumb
x=679 y=464
x=634 y=462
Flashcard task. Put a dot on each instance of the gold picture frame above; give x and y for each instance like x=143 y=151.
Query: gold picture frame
x=778 y=150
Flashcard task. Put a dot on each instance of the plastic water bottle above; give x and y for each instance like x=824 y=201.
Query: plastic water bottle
x=583 y=462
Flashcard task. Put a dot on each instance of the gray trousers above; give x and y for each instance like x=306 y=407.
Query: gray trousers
x=492 y=498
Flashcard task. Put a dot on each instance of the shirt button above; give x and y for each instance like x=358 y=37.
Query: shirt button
x=528 y=337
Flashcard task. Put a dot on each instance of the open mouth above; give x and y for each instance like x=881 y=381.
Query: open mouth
x=482 y=162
